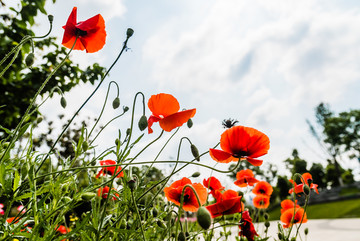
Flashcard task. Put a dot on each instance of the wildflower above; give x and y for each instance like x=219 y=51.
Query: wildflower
x=288 y=204
x=246 y=226
x=62 y=229
x=214 y=185
x=104 y=191
x=228 y=202
x=21 y=209
x=245 y=178
x=305 y=180
x=240 y=142
x=173 y=194
x=287 y=216
x=263 y=187
x=91 y=33
x=12 y=220
x=261 y=201
x=110 y=170
x=2 y=212
x=164 y=108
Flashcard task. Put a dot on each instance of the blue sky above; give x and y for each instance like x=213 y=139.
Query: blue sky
x=265 y=63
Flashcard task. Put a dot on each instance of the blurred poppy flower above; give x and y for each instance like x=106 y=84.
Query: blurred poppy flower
x=104 y=191
x=299 y=188
x=63 y=230
x=288 y=204
x=245 y=178
x=109 y=170
x=262 y=187
x=261 y=201
x=288 y=214
x=214 y=185
x=91 y=33
x=228 y=202
x=240 y=142
x=1 y=209
x=246 y=226
x=173 y=194
x=12 y=220
x=165 y=110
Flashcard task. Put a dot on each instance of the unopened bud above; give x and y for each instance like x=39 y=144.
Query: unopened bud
x=116 y=103
x=161 y=224
x=195 y=152
x=203 y=218
x=266 y=216
x=306 y=231
x=143 y=123
x=129 y=32
x=51 y=18
x=155 y=212
x=117 y=142
x=63 y=102
x=280 y=236
x=306 y=189
x=128 y=131
x=195 y=174
x=87 y=196
x=267 y=224
x=132 y=184
x=297 y=176
x=85 y=145
x=125 y=108
x=189 y=123
x=29 y=60
x=181 y=236
x=39 y=119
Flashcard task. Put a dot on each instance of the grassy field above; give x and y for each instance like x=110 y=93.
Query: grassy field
x=339 y=209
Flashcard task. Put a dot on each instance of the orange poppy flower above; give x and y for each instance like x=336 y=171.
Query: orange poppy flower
x=63 y=230
x=91 y=33
x=104 y=191
x=173 y=194
x=288 y=214
x=263 y=187
x=299 y=188
x=228 y=202
x=214 y=185
x=288 y=204
x=245 y=178
x=12 y=220
x=240 y=142
x=165 y=110
x=261 y=201
x=246 y=226
x=109 y=170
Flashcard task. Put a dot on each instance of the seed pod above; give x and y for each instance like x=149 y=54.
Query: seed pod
x=143 y=123
x=116 y=103
x=29 y=60
x=203 y=218
x=85 y=145
x=195 y=152
x=195 y=174
x=63 y=102
x=129 y=32
x=189 y=123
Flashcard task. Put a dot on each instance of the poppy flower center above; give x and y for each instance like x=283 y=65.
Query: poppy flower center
x=240 y=154
x=80 y=32
x=186 y=198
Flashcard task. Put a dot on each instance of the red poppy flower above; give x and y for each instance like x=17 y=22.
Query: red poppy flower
x=246 y=226
x=164 y=108
x=288 y=204
x=288 y=214
x=299 y=188
x=12 y=220
x=263 y=187
x=214 y=185
x=245 y=178
x=173 y=194
x=261 y=201
x=240 y=142
x=91 y=33
x=63 y=230
x=104 y=191
x=109 y=170
x=228 y=202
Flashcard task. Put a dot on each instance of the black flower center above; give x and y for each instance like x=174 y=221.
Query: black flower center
x=80 y=32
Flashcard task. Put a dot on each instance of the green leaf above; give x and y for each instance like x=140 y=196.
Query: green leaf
x=30 y=194
x=23 y=130
x=17 y=180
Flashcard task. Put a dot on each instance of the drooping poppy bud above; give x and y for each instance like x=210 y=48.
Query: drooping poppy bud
x=203 y=218
x=132 y=184
x=129 y=32
x=195 y=152
x=85 y=145
x=63 y=102
x=143 y=123
x=189 y=123
x=29 y=60
x=51 y=18
x=195 y=174
x=116 y=103
x=306 y=231
x=155 y=212
x=181 y=236
x=267 y=224
x=161 y=224
x=125 y=108
x=306 y=189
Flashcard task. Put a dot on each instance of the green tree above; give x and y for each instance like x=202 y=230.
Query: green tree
x=19 y=83
x=295 y=164
x=283 y=185
x=318 y=174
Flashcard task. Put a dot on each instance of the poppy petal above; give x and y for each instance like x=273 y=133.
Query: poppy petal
x=70 y=32
x=176 y=120
x=151 y=121
x=95 y=37
x=162 y=105
x=254 y=162
x=222 y=156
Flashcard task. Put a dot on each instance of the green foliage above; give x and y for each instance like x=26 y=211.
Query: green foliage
x=318 y=174
x=283 y=185
x=295 y=164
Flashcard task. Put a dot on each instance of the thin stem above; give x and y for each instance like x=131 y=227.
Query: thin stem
x=138 y=214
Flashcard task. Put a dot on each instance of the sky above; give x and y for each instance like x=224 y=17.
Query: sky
x=267 y=64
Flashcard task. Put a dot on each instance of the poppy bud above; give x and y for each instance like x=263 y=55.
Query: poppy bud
x=143 y=123
x=280 y=236
x=189 y=123
x=267 y=224
x=306 y=189
x=195 y=152
x=266 y=216
x=240 y=193
x=85 y=145
x=155 y=212
x=39 y=119
x=125 y=108
x=117 y=142
x=129 y=32
x=51 y=18
x=195 y=174
x=63 y=102
x=181 y=236
x=116 y=103
x=123 y=224
x=87 y=196
x=297 y=176
x=128 y=131
x=203 y=218
x=132 y=184
x=29 y=60
x=306 y=231
x=160 y=224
